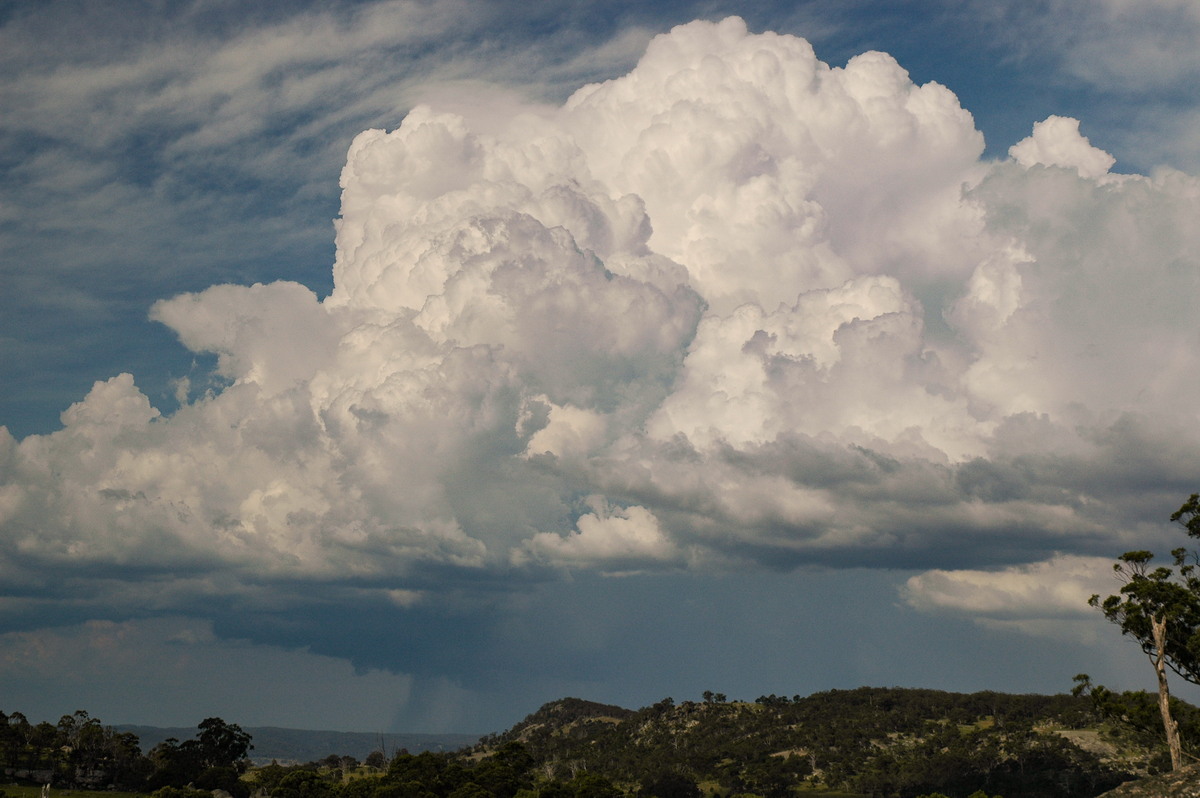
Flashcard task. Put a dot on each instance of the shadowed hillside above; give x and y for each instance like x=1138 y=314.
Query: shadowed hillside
x=869 y=741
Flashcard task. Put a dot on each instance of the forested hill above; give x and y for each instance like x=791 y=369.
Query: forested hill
x=871 y=741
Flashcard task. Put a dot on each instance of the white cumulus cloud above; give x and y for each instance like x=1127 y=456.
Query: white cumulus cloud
x=1057 y=587
x=1047 y=598
x=1056 y=141
x=607 y=536
x=734 y=308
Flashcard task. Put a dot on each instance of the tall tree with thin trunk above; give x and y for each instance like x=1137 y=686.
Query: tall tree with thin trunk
x=1160 y=609
x=1158 y=626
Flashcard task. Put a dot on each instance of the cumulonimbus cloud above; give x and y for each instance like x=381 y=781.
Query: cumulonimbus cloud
x=737 y=308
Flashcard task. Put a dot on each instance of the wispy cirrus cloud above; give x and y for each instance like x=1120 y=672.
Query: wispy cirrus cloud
x=203 y=144
x=1106 y=56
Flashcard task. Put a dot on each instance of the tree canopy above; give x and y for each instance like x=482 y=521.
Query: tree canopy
x=1159 y=608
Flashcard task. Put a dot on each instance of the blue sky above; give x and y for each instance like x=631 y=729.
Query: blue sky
x=650 y=351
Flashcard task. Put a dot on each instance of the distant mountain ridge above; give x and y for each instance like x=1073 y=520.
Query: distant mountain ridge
x=306 y=745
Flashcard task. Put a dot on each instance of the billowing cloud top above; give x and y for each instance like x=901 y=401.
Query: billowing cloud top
x=734 y=309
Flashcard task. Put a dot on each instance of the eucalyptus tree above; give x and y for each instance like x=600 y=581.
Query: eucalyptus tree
x=1159 y=608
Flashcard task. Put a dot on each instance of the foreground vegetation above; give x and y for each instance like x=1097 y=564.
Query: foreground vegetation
x=80 y=752
x=883 y=743
x=875 y=742
x=1159 y=608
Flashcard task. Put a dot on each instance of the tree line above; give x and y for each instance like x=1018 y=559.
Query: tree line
x=880 y=742
x=80 y=752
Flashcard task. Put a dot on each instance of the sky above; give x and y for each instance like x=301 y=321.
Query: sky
x=402 y=366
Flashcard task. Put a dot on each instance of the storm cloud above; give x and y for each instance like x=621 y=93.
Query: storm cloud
x=736 y=310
